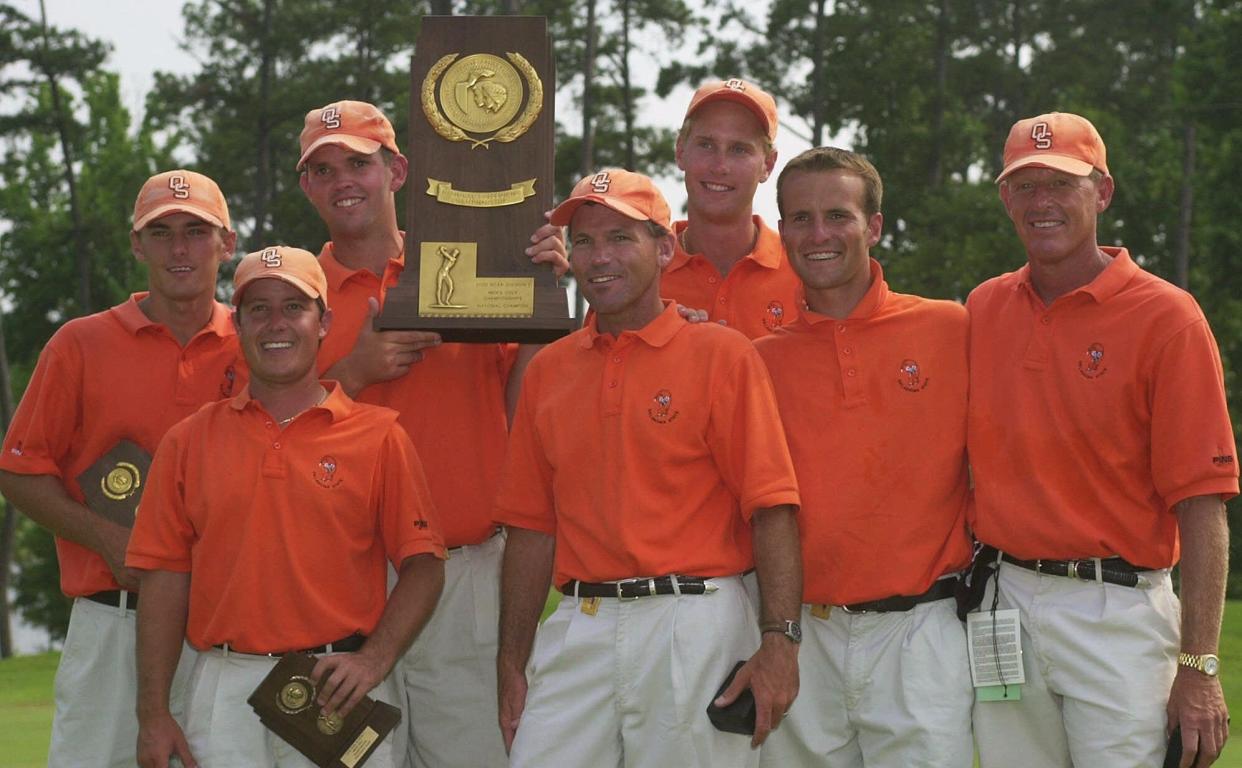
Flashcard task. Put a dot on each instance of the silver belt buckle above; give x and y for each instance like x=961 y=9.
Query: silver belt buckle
x=1071 y=569
x=621 y=596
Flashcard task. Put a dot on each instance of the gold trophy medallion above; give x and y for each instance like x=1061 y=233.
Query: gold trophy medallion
x=329 y=725
x=481 y=94
x=121 y=482
x=296 y=695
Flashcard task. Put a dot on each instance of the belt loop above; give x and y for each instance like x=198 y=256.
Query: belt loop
x=672 y=578
x=124 y=601
x=577 y=583
x=225 y=648
x=1099 y=571
x=999 y=556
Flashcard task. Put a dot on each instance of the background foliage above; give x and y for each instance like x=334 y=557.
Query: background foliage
x=926 y=88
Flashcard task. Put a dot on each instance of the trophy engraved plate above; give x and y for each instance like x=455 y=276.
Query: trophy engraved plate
x=285 y=704
x=113 y=485
x=481 y=174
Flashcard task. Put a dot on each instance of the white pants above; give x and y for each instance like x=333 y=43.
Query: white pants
x=629 y=686
x=879 y=689
x=448 y=676
x=223 y=730
x=1099 y=661
x=96 y=689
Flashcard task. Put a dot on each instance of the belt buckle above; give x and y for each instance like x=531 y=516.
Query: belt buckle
x=1071 y=569
x=635 y=582
x=847 y=609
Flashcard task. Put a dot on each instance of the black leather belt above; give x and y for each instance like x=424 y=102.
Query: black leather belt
x=112 y=597
x=942 y=589
x=1113 y=570
x=632 y=589
x=344 y=645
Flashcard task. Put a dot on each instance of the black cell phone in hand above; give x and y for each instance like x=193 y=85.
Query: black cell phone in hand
x=1174 y=756
x=738 y=717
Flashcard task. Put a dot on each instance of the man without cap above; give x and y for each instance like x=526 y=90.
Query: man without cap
x=1101 y=448
x=452 y=402
x=125 y=374
x=647 y=461
x=871 y=386
x=727 y=261
x=266 y=529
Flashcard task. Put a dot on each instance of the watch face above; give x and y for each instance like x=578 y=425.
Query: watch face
x=795 y=631
x=1211 y=665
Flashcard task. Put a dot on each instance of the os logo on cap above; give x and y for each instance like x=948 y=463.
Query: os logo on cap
x=331 y=118
x=1042 y=136
x=735 y=84
x=179 y=186
x=600 y=182
x=270 y=258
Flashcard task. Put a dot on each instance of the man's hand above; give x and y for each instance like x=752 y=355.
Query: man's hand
x=548 y=247
x=380 y=355
x=511 y=688
x=344 y=678
x=113 y=539
x=1197 y=704
x=159 y=738
x=772 y=676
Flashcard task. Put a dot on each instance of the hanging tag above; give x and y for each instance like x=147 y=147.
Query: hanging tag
x=589 y=605
x=994 y=642
x=821 y=611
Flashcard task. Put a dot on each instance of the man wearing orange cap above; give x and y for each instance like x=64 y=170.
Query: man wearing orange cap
x=1092 y=475
x=648 y=468
x=728 y=262
x=452 y=401
x=125 y=374
x=872 y=391
x=265 y=531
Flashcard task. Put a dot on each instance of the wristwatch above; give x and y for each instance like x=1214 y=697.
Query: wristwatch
x=1207 y=663
x=790 y=629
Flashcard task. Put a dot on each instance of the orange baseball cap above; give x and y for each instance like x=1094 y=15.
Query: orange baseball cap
x=628 y=193
x=357 y=125
x=741 y=92
x=180 y=191
x=1058 y=140
x=295 y=266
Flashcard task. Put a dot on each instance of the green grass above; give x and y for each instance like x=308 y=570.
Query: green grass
x=26 y=697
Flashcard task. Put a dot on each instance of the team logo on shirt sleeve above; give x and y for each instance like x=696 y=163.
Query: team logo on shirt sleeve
x=774 y=315
x=1091 y=364
x=662 y=413
x=325 y=473
x=910 y=376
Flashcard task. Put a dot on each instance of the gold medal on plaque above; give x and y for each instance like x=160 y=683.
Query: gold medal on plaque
x=121 y=482
x=481 y=94
x=296 y=695
x=329 y=725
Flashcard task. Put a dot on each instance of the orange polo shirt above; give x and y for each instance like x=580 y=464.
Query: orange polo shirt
x=284 y=532
x=452 y=403
x=1091 y=417
x=646 y=454
x=874 y=407
x=760 y=293
x=113 y=376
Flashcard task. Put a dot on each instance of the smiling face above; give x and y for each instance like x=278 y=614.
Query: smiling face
x=280 y=328
x=617 y=263
x=1055 y=213
x=828 y=236
x=353 y=192
x=183 y=254
x=725 y=159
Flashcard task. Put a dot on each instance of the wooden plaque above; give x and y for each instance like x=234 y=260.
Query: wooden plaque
x=113 y=485
x=481 y=153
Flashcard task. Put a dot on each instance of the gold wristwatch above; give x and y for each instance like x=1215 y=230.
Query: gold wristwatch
x=1207 y=663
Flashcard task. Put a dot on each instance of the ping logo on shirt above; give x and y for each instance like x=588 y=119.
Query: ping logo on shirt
x=1223 y=460
x=660 y=414
x=910 y=376
x=1042 y=135
x=270 y=258
x=600 y=182
x=331 y=118
x=774 y=315
x=1091 y=364
x=325 y=473
x=179 y=186
x=735 y=84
